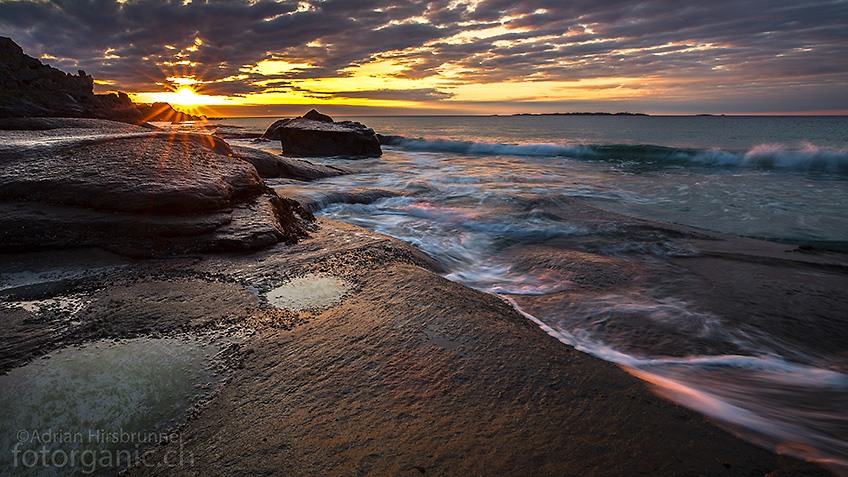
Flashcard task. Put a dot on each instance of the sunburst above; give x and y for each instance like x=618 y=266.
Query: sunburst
x=185 y=96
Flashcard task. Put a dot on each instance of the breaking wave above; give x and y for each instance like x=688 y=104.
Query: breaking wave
x=805 y=157
x=485 y=148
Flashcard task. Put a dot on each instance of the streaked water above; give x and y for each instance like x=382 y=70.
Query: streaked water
x=488 y=196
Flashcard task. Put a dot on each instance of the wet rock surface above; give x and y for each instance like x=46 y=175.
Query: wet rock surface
x=315 y=200
x=313 y=135
x=138 y=191
x=407 y=370
x=275 y=166
x=401 y=371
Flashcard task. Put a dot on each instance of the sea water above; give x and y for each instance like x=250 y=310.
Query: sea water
x=479 y=193
x=93 y=409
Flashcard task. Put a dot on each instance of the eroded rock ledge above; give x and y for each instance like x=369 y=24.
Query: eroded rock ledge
x=133 y=190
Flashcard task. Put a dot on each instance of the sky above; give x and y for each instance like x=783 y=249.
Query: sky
x=267 y=58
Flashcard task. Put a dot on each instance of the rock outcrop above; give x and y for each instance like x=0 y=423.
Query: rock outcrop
x=316 y=134
x=274 y=166
x=30 y=88
x=133 y=190
x=316 y=116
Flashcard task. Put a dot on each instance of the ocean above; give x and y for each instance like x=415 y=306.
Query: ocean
x=497 y=199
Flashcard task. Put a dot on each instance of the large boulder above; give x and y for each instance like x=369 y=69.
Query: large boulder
x=321 y=136
x=138 y=191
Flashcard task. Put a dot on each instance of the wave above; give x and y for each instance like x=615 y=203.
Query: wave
x=485 y=148
x=789 y=407
x=805 y=157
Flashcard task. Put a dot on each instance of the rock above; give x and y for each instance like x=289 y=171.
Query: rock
x=272 y=165
x=310 y=137
x=316 y=116
x=389 y=140
x=117 y=107
x=315 y=200
x=30 y=88
x=68 y=183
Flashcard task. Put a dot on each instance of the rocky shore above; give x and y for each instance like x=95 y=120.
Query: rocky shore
x=316 y=134
x=408 y=373
x=111 y=230
x=376 y=364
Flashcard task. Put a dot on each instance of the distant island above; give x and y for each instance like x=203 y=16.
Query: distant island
x=625 y=113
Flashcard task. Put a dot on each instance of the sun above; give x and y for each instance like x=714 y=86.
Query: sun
x=187 y=97
x=184 y=96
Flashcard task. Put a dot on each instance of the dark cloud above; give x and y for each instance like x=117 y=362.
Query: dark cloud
x=745 y=47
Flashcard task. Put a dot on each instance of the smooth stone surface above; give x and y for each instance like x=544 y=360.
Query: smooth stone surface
x=316 y=199
x=138 y=191
x=275 y=166
x=100 y=400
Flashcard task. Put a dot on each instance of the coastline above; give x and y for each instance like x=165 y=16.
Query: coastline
x=410 y=374
x=407 y=373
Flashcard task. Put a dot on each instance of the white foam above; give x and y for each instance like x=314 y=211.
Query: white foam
x=806 y=157
x=67 y=304
x=471 y=147
x=780 y=404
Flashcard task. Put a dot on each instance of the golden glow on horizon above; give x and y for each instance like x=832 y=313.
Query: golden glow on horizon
x=182 y=97
x=401 y=79
x=187 y=97
x=581 y=90
x=381 y=75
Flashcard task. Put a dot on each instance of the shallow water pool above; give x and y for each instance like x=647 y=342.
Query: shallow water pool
x=96 y=408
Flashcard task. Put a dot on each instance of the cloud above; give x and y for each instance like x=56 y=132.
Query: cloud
x=422 y=95
x=735 y=46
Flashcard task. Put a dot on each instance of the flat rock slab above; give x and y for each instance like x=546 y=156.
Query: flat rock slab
x=309 y=291
x=406 y=374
